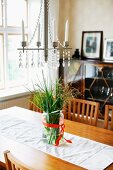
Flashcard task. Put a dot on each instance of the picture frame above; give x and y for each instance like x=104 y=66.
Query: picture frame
x=91 y=47
x=108 y=49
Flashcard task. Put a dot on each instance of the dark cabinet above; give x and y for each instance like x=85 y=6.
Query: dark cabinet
x=93 y=78
x=72 y=73
x=99 y=84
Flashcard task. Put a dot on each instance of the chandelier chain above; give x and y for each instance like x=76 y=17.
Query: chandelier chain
x=49 y=29
x=37 y=23
x=49 y=23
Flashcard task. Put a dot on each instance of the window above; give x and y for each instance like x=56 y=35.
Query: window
x=11 y=15
x=1 y=62
x=12 y=12
x=1 y=12
x=16 y=75
x=14 y=17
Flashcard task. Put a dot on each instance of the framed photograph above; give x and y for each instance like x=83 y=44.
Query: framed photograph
x=91 y=45
x=108 y=49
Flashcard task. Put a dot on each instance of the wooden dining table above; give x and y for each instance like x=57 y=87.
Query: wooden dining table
x=38 y=160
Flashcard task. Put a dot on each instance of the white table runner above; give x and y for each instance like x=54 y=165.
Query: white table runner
x=83 y=152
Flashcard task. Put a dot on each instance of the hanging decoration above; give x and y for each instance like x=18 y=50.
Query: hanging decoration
x=51 y=54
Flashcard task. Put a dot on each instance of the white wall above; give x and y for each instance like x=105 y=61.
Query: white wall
x=64 y=14
x=86 y=15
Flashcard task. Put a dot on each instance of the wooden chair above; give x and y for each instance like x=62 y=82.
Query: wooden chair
x=34 y=107
x=108 y=118
x=12 y=163
x=83 y=111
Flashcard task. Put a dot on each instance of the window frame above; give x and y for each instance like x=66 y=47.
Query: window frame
x=2 y=82
x=1 y=13
x=10 y=92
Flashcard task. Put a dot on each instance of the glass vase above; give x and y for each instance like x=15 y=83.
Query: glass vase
x=52 y=126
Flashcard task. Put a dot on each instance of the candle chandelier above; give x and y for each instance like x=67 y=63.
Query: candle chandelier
x=51 y=50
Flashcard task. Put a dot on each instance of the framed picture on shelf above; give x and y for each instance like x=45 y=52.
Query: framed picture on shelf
x=91 y=45
x=108 y=49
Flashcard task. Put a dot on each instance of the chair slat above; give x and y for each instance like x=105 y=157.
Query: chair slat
x=64 y=110
x=13 y=167
x=91 y=114
x=74 y=111
x=69 y=110
x=33 y=107
x=12 y=163
x=78 y=111
x=87 y=112
x=83 y=111
x=112 y=121
x=108 y=124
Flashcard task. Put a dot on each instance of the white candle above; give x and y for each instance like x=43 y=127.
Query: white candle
x=23 y=32
x=38 y=37
x=54 y=31
x=66 y=30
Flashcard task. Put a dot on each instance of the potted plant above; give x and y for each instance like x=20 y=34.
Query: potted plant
x=51 y=100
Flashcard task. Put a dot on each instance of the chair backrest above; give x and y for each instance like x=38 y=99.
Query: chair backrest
x=108 y=118
x=33 y=107
x=12 y=163
x=83 y=111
